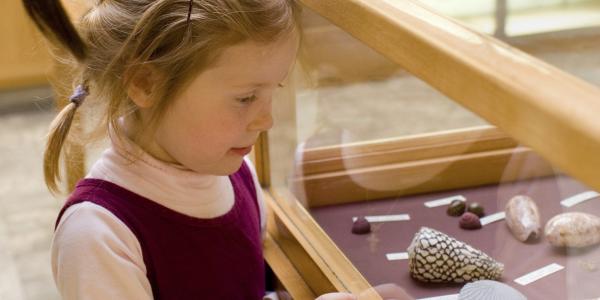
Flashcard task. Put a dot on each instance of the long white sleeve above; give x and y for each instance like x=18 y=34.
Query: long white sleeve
x=96 y=256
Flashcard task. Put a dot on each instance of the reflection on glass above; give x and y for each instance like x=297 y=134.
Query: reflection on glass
x=564 y=33
x=340 y=75
x=520 y=17
x=370 y=140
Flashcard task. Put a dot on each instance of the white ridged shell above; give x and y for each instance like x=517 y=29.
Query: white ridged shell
x=489 y=290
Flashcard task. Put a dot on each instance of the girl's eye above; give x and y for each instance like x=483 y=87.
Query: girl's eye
x=247 y=100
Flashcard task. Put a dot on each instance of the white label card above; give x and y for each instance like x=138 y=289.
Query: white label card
x=581 y=197
x=385 y=218
x=444 y=201
x=492 y=218
x=538 y=274
x=446 y=297
x=397 y=256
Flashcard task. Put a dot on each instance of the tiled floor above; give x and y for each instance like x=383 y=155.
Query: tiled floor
x=27 y=210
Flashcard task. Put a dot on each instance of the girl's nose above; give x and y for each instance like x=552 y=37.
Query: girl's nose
x=264 y=120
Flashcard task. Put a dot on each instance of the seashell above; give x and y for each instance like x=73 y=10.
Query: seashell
x=573 y=229
x=469 y=221
x=476 y=208
x=436 y=257
x=489 y=290
x=361 y=226
x=456 y=208
x=523 y=218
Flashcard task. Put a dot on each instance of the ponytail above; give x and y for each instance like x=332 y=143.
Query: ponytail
x=52 y=20
x=59 y=130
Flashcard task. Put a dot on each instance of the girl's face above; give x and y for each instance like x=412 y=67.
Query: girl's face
x=217 y=119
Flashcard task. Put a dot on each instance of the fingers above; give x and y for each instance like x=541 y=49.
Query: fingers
x=337 y=296
x=388 y=291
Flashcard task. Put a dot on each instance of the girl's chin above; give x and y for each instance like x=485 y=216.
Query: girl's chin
x=230 y=167
x=227 y=165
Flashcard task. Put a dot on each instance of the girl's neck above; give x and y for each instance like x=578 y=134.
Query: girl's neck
x=170 y=185
x=139 y=135
x=131 y=151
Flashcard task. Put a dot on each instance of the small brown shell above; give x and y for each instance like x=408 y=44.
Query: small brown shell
x=476 y=208
x=469 y=221
x=361 y=226
x=456 y=208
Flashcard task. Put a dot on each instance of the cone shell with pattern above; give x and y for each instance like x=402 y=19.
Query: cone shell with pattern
x=436 y=257
x=489 y=290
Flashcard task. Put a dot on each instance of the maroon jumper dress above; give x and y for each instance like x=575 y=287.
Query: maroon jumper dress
x=187 y=257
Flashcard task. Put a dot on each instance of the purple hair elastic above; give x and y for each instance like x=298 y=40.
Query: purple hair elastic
x=79 y=95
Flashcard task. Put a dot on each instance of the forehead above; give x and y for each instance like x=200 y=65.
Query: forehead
x=250 y=62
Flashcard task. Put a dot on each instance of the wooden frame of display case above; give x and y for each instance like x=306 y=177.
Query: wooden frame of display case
x=23 y=56
x=414 y=164
x=538 y=105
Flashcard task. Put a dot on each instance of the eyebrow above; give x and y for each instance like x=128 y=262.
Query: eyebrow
x=261 y=84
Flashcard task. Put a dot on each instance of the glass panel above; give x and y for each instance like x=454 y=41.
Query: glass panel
x=383 y=253
x=338 y=74
x=564 y=33
x=360 y=137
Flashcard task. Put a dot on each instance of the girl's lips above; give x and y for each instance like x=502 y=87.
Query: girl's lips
x=241 y=151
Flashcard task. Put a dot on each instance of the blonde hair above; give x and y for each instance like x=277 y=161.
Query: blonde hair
x=178 y=38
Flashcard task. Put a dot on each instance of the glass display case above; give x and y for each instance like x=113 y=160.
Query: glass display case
x=413 y=148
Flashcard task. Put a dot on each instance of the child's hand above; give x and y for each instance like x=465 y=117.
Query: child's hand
x=389 y=291
x=386 y=291
x=337 y=296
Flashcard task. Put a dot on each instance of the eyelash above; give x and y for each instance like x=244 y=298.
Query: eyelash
x=247 y=100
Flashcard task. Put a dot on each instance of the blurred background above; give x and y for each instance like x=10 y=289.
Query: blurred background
x=565 y=33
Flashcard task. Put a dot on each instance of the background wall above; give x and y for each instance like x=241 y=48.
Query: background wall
x=24 y=56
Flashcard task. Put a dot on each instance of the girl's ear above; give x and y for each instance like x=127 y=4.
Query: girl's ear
x=141 y=82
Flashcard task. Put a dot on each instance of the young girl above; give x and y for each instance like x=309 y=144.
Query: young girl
x=172 y=210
